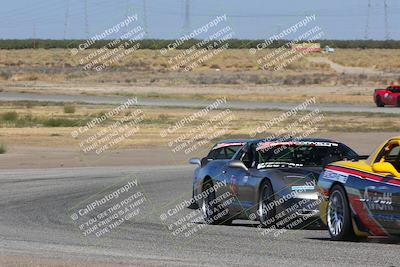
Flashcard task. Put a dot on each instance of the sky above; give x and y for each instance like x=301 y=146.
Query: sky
x=165 y=19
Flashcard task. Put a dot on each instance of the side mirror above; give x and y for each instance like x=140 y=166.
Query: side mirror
x=195 y=161
x=385 y=167
x=237 y=164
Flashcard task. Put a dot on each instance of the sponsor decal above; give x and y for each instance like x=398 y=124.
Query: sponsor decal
x=265 y=145
x=278 y=165
x=366 y=175
x=386 y=217
x=377 y=200
x=336 y=176
x=302 y=187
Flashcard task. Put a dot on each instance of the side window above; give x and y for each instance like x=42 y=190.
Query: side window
x=248 y=158
x=219 y=154
x=390 y=152
x=240 y=153
x=393 y=154
x=333 y=154
x=230 y=151
x=393 y=157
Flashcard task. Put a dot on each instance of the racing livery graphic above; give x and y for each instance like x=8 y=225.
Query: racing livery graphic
x=266 y=178
x=362 y=198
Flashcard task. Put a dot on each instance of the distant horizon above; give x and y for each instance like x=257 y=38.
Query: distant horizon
x=168 y=20
x=155 y=39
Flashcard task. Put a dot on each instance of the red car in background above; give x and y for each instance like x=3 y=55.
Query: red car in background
x=388 y=96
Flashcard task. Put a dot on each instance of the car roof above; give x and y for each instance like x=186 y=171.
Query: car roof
x=228 y=141
x=280 y=139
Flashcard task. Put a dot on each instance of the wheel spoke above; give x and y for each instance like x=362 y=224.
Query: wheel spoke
x=335 y=213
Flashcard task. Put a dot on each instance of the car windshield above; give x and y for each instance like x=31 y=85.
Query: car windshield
x=298 y=155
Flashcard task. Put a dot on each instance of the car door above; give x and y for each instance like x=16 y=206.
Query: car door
x=382 y=198
x=238 y=180
x=382 y=201
x=388 y=97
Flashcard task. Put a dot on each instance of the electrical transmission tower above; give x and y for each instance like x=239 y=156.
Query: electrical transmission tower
x=34 y=35
x=366 y=36
x=186 y=25
x=387 y=34
x=145 y=17
x=66 y=18
x=86 y=18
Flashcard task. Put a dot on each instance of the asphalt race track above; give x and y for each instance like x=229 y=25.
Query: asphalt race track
x=114 y=100
x=35 y=219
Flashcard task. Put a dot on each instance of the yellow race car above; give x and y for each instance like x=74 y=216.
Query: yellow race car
x=362 y=198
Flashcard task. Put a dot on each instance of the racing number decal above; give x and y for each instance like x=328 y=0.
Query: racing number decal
x=387 y=96
x=232 y=184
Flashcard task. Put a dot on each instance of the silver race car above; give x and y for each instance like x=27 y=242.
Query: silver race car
x=267 y=180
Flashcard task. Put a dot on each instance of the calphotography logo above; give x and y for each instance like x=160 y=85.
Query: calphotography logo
x=104 y=213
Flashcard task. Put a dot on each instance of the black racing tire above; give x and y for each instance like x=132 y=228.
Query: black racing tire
x=398 y=101
x=266 y=196
x=210 y=210
x=379 y=102
x=339 y=216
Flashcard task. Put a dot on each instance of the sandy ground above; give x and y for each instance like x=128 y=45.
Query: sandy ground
x=35 y=261
x=345 y=69
x=24 y=157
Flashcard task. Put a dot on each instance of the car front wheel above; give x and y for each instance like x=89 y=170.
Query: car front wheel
x=338 y=215
x=379 y=102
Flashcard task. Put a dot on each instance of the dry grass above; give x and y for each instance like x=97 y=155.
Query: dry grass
x=236 y=66
x=157 y=119
x=232 y=73
x=146 y=60
x=380 y=59
x=232 y=59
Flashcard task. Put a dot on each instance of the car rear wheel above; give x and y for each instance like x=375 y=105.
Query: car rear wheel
x=338 y=215
x=266 y=212
x=398 y=102
x=209 y=209
x=379 y=102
